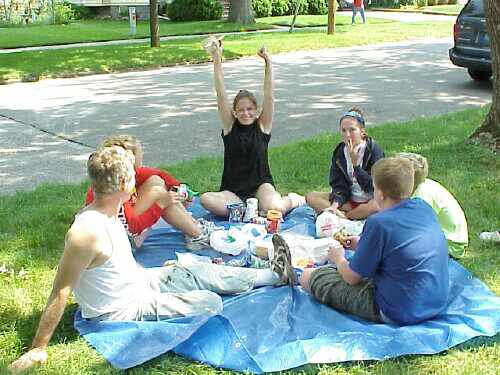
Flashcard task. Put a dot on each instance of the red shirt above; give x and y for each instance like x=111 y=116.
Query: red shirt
x=358 y=3
x=136 y=224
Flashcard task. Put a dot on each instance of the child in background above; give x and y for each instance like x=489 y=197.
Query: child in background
x=450 y=215
x=350 y=172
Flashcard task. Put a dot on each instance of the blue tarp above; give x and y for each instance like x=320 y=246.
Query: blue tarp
x=273 y=329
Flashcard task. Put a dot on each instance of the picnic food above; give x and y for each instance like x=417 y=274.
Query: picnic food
x=341 y=236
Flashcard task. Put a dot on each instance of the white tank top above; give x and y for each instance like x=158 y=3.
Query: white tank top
x=118 y=284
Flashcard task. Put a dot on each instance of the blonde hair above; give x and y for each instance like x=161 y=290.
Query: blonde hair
x=394 y=177
x=127 y=142
x=109 y=167
x=244 y=94
x=420 y=166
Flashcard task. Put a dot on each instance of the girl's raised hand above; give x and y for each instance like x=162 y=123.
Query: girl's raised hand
x=217 y=49
x=213 y=45
x=262 y=52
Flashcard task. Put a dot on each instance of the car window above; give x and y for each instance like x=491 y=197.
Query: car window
x=474 y=8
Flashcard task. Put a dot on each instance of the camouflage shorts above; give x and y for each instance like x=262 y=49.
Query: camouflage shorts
x=328 y=286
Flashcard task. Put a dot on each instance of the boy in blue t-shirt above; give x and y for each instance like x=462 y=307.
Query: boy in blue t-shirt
x=399 y=272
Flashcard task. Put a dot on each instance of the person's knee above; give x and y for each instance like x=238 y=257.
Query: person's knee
x=269 y=199
x=206 y=199
x=155 y=181
x=311 y=197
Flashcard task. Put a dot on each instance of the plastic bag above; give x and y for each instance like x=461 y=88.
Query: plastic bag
x=232 y=241
x=305 y=250
x=327 y=224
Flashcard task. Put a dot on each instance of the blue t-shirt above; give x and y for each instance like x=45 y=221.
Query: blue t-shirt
x=404 y=251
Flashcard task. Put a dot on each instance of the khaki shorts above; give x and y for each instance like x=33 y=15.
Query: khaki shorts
x=328 y=286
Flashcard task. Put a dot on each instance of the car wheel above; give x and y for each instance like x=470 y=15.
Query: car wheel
x=479 y=75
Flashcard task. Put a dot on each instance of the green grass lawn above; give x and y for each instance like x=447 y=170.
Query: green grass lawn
x=104 y=59
x=445 y=9
x=450 y=10
x=33 y=225
x=102 y=30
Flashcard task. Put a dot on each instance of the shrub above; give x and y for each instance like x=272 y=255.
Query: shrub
x=280 y=7
x=81 y=13
x=303 y=7
x=262 y=8
x=318 y=7
x=442 y=2
x=385 y=4
x=407 y=2
x=63 y=13
x=421 y=3
x=431 y=2
x=194 y=10
x=123 y=12
x=452 y=2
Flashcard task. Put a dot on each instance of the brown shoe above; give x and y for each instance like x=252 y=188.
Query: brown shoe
x=282 y=262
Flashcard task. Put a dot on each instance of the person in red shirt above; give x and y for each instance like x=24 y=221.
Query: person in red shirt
x=358 y=6
x=153 y=198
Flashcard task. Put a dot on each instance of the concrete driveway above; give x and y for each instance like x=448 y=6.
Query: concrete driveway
x=173 y=110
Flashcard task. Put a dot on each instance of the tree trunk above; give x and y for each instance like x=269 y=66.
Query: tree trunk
x=241 y=11
x=331 y=16
x=153 y=23
x=490 y=128
x=295 y=13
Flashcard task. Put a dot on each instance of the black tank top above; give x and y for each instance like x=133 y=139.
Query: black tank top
x=245 y=159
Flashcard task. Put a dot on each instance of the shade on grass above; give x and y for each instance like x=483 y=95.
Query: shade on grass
x=33 y=224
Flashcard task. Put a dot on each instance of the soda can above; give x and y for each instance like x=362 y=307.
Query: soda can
x=236 y=211
x=273 y=221
x=182 y=190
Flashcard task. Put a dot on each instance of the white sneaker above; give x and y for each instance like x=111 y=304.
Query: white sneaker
x=490 y=236
x=209 y=226
x=203 y=240
x=296 y=199
x=198 y=243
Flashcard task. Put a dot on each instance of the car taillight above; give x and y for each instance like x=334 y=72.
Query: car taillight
x=456 y=31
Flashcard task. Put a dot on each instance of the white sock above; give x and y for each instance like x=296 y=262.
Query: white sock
x=264 y=277
x=297 y=200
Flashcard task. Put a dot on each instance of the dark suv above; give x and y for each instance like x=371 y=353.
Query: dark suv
x=472 y=42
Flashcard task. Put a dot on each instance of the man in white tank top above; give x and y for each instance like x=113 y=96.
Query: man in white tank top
x=98 y=267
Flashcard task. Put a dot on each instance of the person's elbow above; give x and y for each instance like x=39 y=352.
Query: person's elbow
x=61 y=294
